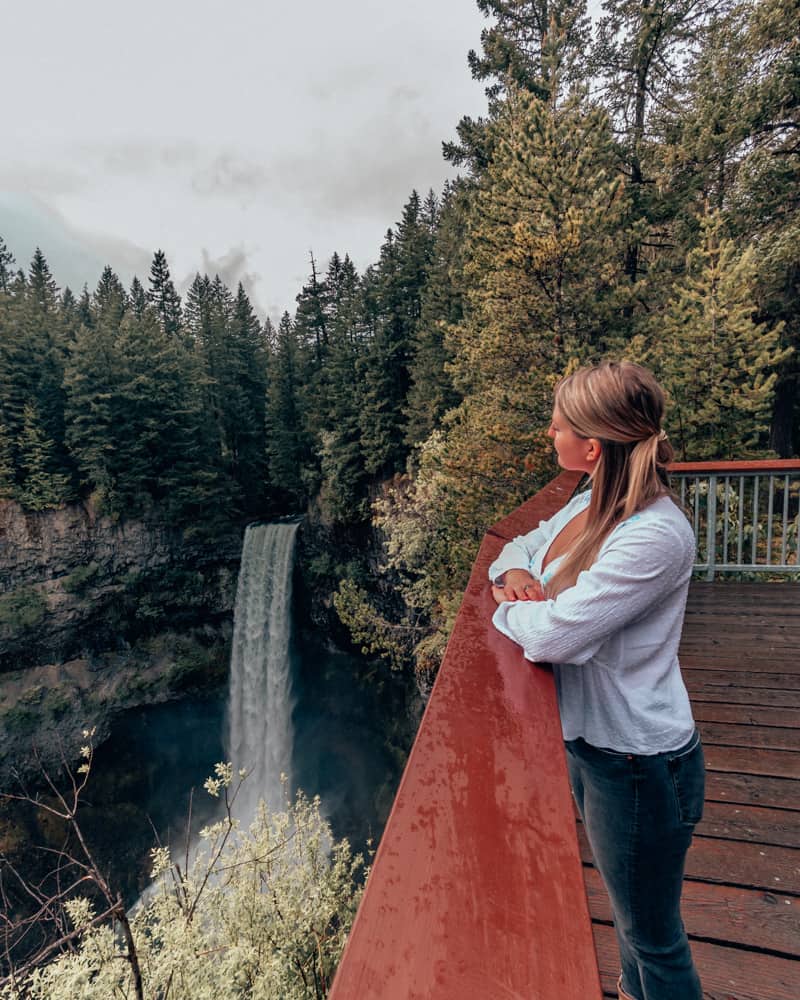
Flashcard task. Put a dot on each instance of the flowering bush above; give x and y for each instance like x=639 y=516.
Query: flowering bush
x=261 y=912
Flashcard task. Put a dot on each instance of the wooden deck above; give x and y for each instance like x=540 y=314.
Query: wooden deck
x=741 y=903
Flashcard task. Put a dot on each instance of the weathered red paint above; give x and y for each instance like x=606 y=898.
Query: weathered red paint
x=477 y=892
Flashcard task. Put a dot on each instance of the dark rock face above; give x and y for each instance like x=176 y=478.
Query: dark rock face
x=51 y=544
x=73 y=582
x=98 y=615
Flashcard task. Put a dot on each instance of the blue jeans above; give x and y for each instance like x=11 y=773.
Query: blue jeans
x=639 y=813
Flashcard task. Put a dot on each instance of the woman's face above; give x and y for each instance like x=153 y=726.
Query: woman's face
x=575 y=453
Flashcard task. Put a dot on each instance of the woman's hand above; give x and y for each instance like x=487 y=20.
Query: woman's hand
x=518 y=585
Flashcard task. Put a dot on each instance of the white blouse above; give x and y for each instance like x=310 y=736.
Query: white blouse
x=612 y=637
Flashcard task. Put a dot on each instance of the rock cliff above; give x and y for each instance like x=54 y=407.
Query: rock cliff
x=98 y=614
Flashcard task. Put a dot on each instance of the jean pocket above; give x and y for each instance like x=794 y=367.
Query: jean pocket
x=689 y=782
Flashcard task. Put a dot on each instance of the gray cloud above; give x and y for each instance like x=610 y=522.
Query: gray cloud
x=232 y=267
x=138 y=156
x=42 y=180
x=340 y=176
x=234 y=176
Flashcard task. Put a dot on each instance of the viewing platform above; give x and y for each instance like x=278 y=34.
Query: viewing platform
x=740 y=657
x=483 y=886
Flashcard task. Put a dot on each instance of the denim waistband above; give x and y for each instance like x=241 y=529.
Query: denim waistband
x=681 y=751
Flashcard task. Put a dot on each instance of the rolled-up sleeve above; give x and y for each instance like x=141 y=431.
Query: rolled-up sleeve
x=636 y=568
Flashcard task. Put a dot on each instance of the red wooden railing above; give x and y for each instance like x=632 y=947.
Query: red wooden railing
x=476 y=892
x=765 y=465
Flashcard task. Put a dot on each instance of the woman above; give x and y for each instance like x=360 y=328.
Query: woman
x=599 y=591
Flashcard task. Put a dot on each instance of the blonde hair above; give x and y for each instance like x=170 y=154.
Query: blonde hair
x=622 y=405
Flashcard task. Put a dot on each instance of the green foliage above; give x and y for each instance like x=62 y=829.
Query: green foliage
x=544 y=255
x=162 y=296
x=375 y=632
x=538 y=47
x=385 y=370
x=7 y=471
x=717 y=363
x=431 y=392
x=195 y=664
x=263 y=911
x=285 y=440
x=21 y=609
x=42 y=485
x=81 y=579
x=578 y=234
x=6 y=267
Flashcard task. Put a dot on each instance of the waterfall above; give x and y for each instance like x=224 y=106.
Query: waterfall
x=260 y=696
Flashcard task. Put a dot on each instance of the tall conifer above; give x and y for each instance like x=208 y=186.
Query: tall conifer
x=714 y=358
x=41 y=485
x=285 y=444
x=163 y=296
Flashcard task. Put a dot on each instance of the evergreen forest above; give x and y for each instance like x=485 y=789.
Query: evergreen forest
x=633 y=191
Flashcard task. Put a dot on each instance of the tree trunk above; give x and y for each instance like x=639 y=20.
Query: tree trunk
x=781 y=432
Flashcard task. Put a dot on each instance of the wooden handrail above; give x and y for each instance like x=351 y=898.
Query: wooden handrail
x=476 y=892
x=731 y=468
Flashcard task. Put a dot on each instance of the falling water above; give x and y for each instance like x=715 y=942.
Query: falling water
x=260 y=696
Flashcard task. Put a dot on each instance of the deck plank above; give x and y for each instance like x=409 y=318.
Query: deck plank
x=752 y=918
x=761 y=737
x=741 y=760
x=756 y=824
x=742 y=660
x=733 y=696
x=711 y=675
x=747 y=714
x=752 y=790
x=727 y=973
x=748 y=866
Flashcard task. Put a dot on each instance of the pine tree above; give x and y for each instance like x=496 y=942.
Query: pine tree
x=543 y=252
x=7 y=268
x=310 y=318
x=138 y=298
x=431 y=392
x=42 y=485
x=716 y=361
x=91 y=379
x=543 y=268
x=85 y=311
x=285 y=444
x=158 y=435
x=198 y=310
x=7 y=465
x=638 y=54
x=344 y=479
x=163 y=297
x=764 y=206
x=34 y=360
x=231 y=346
x=110 y=301
x=400 y=278
x=246 y=404
x=534 y=46
x=313 y=362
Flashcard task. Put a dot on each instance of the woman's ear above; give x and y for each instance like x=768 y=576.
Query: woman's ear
x=593 y=450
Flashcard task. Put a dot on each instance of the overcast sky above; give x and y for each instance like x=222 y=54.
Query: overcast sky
x=235 y=136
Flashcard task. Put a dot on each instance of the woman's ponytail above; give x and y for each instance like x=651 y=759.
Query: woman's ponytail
x=621 y=405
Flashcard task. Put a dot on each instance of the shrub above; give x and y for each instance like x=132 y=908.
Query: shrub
x=262 y=911
x=79 y=581
x=21 y=609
